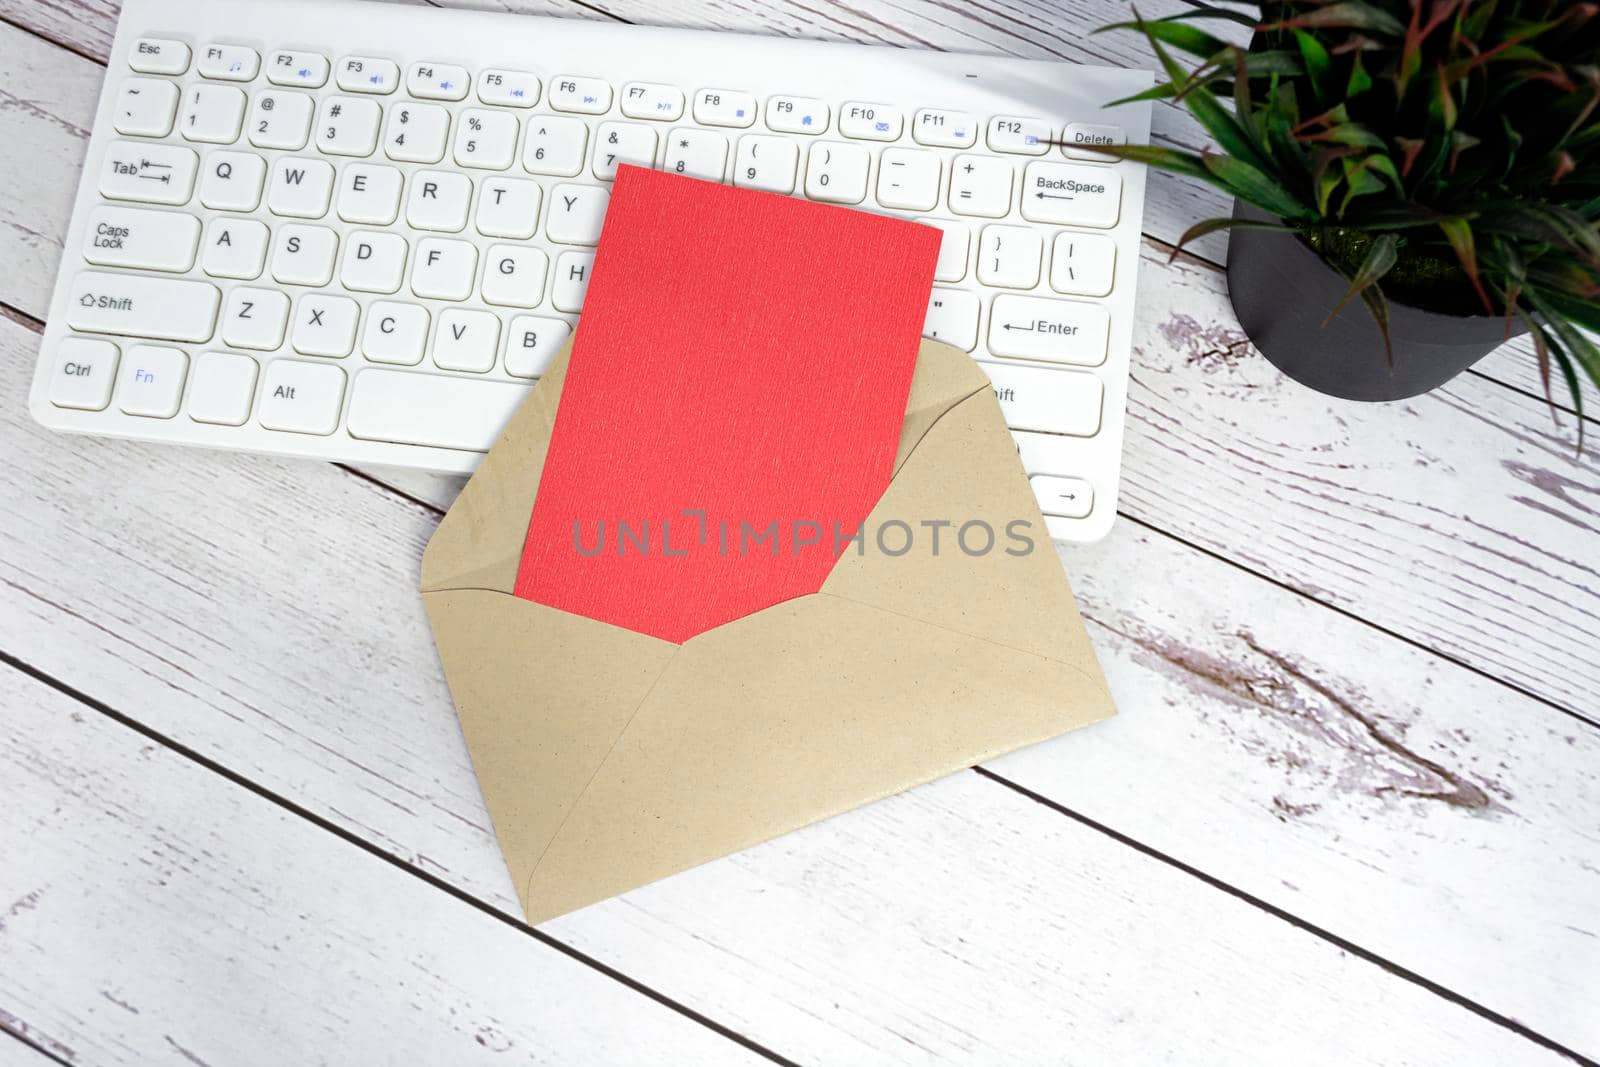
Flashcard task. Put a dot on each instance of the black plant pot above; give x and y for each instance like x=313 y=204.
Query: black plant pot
x=1282 y=291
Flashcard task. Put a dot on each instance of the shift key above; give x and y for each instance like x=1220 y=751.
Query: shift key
x=1056 y=331
x=165 y=309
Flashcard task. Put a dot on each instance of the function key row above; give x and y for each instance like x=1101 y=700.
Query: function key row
x=934 y=127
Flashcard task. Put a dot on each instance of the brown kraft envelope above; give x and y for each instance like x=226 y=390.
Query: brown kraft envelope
x=609 y=759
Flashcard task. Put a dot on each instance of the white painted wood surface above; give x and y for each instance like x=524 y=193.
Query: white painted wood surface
x=1426 y=813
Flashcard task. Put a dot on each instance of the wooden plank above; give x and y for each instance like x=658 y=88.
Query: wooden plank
x=14 y=1051
x=1258 y=449
x=144 y=598
x=158 y=913
x=289 y=941
x=1461 y=519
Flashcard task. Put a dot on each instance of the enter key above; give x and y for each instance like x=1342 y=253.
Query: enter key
x=1056 y=331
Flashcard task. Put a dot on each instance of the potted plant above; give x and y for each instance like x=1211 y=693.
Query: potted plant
x=1439 y=160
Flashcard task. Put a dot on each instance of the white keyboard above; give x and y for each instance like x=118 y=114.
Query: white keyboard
x=358 y=231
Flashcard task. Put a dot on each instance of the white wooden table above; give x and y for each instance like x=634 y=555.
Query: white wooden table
x=1349 y=814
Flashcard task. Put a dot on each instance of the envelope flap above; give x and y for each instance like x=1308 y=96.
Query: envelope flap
x=479 y=542
x=542 y=696
x=980 y=560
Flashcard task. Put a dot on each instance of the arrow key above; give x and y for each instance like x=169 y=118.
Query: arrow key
x=1070 y=498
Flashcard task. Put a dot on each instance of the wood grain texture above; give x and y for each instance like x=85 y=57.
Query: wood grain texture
x=14 y=1050
x=339 y=705
x=1218 y=444
x=161 y=914
x=166 y=886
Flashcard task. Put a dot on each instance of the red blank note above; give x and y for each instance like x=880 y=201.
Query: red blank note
x=743 y=360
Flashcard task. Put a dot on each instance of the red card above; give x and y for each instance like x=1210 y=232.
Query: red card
x=743 y=360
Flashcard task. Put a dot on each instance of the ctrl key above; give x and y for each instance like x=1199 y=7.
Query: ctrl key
x=301 y=397
x=84 y=373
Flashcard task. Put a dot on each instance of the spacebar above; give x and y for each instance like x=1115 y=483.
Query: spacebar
x=431 y=409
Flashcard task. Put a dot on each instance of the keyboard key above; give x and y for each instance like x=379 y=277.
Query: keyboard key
x=363 y=74
x=871 y=122
x=1078 y=136
x=980 y=185
x=952 y=318
x=766 y=163
x=373 y=262
x=304 y=69
x=572 y=280
x=83 y=374
x=304 y=255
x=164 y=309
x=299 y=397
x=280 y=120
x=235 y=248
x=256 y=318
x=146 y=107
x=908 y=178
x=1083 y=264
x=508 y=207
x=395 y=333
x=952 y=265
x=1070 y=498
x=1071 y=194
x=616 y=143
x=944 y=129
x=348 y=126
x=532 y=342
x=439 y=200
x=212 y=113
x=796 y=114
x=157 y=55
x=444 y=270
x=229 y=62
x=222 y=389
x=836 y=172
x=554 y=146
x=1024 y=136
x=233 y=181
x=513 y=275
x=437 y=81
x=576 y=214
x=370 y=194
x=486 y=139
x=697 y=153
x=724 y=107
x=325 y=325
x=1047 y=401
x=1009 y=256
x=147 y=240
x=150 y=381
x=508 y=88
x=647 y=100
x=586 y=96
x=150 y=173
x=301 y=188
x=466 y=340
x=431 y=409
x=416 y=133
x=1060 y=331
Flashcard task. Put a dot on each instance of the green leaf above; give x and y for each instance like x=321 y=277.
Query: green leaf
x=1250 y=184
x=1381 y=258
x=1317 y=64
x=1568 y=373
x=1458 y=232
x=1359 y=81
x=1178 y=34
x=1210 y=226
x=1347 y=14
x=1358 y=181
x=1211 y=114
x=1161 y=158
